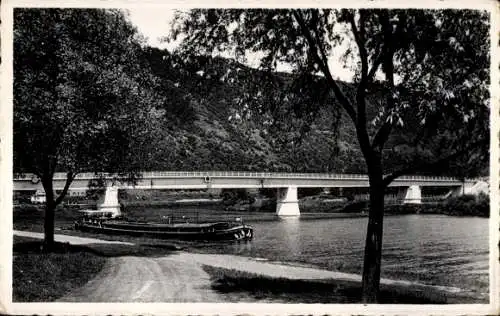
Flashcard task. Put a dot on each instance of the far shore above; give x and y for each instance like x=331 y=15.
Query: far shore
x=311 y=207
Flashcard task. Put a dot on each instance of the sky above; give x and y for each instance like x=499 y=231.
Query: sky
x=154 y=23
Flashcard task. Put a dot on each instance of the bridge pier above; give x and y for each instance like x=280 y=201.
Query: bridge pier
x=413 y=195
x=110 y=202
x=287 y=203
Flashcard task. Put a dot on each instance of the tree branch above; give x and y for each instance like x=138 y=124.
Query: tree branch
x=360 y=41
x=70 y=176
x=361 y=129
x=344 y=101
x=385 y=130
x=382 y=135
x=376 y=64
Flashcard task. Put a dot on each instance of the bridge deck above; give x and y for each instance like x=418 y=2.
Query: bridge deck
x=240 y=174
x=233 y=179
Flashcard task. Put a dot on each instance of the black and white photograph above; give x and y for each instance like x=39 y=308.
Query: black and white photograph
x=337 y=158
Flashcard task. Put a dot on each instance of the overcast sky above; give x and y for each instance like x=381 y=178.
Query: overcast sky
x=154 y=23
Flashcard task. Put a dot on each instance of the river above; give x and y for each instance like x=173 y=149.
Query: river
x=436 y=250
x=430 y=249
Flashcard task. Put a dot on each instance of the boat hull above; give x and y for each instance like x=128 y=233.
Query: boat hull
x=238 y=232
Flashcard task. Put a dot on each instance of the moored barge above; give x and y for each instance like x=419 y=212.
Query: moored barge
x=236 y=230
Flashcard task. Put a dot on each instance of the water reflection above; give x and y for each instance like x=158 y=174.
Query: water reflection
x=431 y=249
x=290 y=234
x=241 y=247
x=440 y=250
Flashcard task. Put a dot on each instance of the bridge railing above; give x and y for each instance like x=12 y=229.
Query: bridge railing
x=247 y=174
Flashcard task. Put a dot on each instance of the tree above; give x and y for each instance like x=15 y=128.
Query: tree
x=419 y=96
x=81 y=98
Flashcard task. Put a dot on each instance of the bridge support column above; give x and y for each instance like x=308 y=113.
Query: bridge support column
x=109 y=202
x=413 y=195
x=287 y=203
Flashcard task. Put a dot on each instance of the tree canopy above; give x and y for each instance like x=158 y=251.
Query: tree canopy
x=439 y=73
x=82 y=98
x=419 y=97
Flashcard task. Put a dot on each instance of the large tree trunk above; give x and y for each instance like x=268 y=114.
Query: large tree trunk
x=373 y=245
x=50 y=207
x=48 y=225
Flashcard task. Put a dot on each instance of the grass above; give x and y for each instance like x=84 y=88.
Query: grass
x=31 y=218
x=43 y=277
x=239 y=286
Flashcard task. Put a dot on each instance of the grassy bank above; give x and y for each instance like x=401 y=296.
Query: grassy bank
x=239 y=286
x=31 y=218
x=44 y=277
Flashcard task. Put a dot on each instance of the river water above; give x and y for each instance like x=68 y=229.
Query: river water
x=430 y=249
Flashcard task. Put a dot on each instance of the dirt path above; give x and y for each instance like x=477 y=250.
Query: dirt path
x=139 y=279
x=277 y=270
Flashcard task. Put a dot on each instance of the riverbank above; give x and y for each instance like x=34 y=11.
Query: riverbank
x=431 y=249
x=44 y=277
x=73 y=262
x=293 y=283
x=238 y=285
x=102 y=272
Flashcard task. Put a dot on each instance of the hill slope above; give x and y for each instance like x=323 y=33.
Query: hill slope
x=227 y=116
x=215 y=135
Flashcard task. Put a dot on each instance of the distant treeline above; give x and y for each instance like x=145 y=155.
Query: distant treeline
x=465 y=205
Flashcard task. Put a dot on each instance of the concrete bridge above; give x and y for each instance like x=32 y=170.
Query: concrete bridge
x=285 y=183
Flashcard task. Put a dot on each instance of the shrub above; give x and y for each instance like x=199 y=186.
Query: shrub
x=231 y=196
x=467 y=205
x=356 y=206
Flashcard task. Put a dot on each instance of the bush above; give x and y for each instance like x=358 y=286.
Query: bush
x=231 y=196
x=304 y=192
x=356 y=206
x=268 y=192
x=467 y=205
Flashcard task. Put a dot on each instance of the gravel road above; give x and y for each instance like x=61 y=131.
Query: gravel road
x=139 y=279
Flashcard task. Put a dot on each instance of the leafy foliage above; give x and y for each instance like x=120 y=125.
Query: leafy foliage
x=83 y=99
x=425 y=73
x=434 y=99
x=80 y=102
